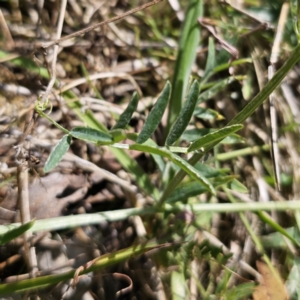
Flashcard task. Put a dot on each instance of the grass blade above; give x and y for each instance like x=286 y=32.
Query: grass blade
x=214 y=137
x=127 y=114
x=211 y=60
x=189 y=41
x=92 y=135
x=155 y=115
x=185 y=114
x=99 y=264
x=192 y=189
x=57 y=153
x=72 y=221
x=15 y=232
x=206 y=95
x=268 y=220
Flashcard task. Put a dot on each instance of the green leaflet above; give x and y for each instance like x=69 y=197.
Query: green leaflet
x=184 y=165
x=155 y=115
x=92 y=135
x=185 y=114
x=127 y=114
x=57 y=153
x=214 y=137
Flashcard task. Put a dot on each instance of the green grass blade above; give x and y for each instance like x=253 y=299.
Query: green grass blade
x=129 y=164
x=211 y=60
x=89 y=81
x=216 y=88
x=192 y=189
x=26 y=63
x=267 y=89
x=85 y=115
x=214 y=137
x=127 y=114
x=186 y=56
x=72 y=221
x=155 y=115
x=268 y=220
x=15 y=232
x=57 y=153
x=102 y=262
x=178 y=285
x=92 y=135
x=185 y=114
x=183 y=164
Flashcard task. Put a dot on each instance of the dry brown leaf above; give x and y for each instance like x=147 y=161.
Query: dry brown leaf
x=48 y=197
x=272 y=287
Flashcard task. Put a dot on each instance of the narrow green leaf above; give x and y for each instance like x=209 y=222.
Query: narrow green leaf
x=57 y=153
x=211 y=59
x=189 y=41
x=218 y=87
x=192 y=189
x=92 y=135
x=127 y=114
x=155 y=115
x=178 y=285
x=183 y=164
x=214 y=137
x=136 y=171
x=238 y=186
x=207 y=114
x=192 y=135
x=101 y=263
x=15 y=232
x=185 y=114
x=268 y=220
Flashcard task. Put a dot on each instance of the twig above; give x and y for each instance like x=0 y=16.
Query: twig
x=207 y=23
x=55 y=51
x=8 y=40
x=271 y=70
x=23 y=199
x=82 y=80
x=83 y=31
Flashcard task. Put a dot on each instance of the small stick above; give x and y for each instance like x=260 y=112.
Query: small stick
x=29 y=128
x=55 y=52
x=23 y=199
x=83 y=31
x=8 y=40
x=273 y=115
